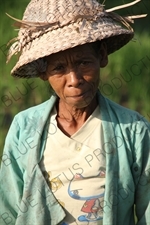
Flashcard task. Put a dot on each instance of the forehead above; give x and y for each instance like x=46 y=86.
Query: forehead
x=77 y=52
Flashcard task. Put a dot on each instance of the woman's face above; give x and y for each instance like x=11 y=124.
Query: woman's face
x=74 y=74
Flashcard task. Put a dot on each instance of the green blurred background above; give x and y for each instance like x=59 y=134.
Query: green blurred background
x=125 y=80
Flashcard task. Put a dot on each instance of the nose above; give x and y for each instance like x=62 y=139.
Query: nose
x=75 y=78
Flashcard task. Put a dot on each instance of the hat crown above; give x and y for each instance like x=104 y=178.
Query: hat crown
x=51 y=11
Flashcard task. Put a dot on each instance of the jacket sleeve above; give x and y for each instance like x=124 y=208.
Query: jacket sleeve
x=11 y=177
x=142 y=168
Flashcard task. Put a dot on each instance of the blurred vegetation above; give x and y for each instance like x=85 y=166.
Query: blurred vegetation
x=125 y=80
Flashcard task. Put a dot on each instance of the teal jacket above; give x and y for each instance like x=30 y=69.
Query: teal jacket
x=25 y=198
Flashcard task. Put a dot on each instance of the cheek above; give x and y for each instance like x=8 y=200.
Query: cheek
x=96 y=76
x=54 y=83
x=57 y=85
x=93 y=77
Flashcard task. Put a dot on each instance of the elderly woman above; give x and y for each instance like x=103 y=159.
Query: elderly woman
x=78 y=158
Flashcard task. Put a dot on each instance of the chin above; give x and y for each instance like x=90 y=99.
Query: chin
x=79 y=105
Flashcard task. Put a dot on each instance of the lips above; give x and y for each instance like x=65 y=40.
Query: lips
x=78 y=95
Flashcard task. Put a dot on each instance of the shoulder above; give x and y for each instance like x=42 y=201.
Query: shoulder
x=34 y=110
x=31 y=119
x=28 y=124
x=125 y=115
x=120 y=110
x=129 y=126
x=130 y=123
x=37 y=112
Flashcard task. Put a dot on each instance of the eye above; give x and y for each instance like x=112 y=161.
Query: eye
x=84 y=63
x=58 y=68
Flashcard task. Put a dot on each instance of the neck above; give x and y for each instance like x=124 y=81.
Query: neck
x=70 y=118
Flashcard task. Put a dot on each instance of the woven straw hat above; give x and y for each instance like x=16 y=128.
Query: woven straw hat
x=51 y=26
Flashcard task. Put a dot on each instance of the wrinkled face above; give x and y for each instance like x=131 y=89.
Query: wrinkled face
x=74 y=74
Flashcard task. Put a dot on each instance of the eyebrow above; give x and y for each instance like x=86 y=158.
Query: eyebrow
x=85 y=58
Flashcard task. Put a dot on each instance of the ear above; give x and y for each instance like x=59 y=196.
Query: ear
x=103 y=55
x=43 y=76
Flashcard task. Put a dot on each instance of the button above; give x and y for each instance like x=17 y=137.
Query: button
x=78 y=149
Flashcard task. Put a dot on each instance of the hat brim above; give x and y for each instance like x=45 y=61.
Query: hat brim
x=68 y=37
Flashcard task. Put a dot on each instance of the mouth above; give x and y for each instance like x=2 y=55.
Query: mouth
x=76 y=96
x=79 y=95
